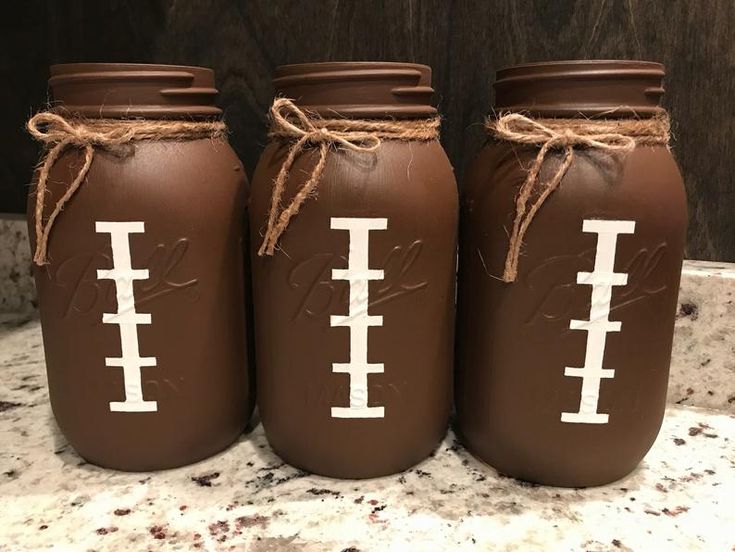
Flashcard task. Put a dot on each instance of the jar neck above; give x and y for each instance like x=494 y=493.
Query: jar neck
x=125 y=90
x=359 y=90
x=591 y=88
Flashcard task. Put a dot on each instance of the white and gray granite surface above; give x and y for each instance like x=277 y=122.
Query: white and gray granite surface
x=703 y=357
x=680 y=498
x=17 y=291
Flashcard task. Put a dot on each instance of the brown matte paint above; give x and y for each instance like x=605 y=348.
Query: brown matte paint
x=514 y=340
x=190 y=195
x=413 y=186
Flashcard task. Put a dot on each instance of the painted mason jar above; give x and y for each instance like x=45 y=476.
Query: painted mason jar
x=572 y=237
x=136 y=218
x=353 y=236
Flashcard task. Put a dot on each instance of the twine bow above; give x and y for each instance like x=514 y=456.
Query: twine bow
x=58 y=133
x=613 y=136
x=303 y=129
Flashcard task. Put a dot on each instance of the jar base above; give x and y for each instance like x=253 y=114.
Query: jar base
x=149 y=466
x=343 y=472
x=569 y=479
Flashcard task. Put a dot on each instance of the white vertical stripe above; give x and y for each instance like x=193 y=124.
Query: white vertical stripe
x=602 y=279
x=126 y=318
x=359 y=275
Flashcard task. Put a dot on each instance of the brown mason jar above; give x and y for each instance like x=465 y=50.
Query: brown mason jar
x=141 y=297
x=354 y=311
x=562 y=372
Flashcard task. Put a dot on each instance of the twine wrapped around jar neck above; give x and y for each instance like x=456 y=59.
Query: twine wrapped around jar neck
x=613 y=136
x=302 y=129
x=58 y=132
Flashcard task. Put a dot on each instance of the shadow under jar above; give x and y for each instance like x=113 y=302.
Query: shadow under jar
x=562 y=373
x=141 y=301
x=354 y=312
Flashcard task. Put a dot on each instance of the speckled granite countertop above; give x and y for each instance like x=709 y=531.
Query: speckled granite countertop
x=681 y=498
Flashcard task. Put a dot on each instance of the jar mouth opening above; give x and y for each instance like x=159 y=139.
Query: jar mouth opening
x=123 y=90
x=358 y=89
x=91 y=67
x=585 y=63
x=572 y=88
x=319 y=66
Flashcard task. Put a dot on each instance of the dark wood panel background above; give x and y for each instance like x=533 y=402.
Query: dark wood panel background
x=464 y=41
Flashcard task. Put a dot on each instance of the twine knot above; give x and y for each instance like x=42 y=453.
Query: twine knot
x=614 y=136
x=303 y=129
x=58 y=132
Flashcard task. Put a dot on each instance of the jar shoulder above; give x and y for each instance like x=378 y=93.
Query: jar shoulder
x=159 y=161
x=151 y=173
x=398 y=171
x=645 y=175
x=399 y=161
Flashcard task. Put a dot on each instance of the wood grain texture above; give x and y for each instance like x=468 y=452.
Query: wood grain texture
x=464 y=41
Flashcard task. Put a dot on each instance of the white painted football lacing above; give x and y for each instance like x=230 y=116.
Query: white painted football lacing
x=359 y=275
x=602 y=279
x=123 y=274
